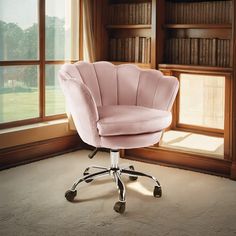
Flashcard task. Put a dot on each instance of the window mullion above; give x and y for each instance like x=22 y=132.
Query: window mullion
x=42 y=58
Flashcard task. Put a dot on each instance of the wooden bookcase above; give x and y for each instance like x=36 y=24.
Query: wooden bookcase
x=198 y=40
x=198 y=33
x=129 y=32
x=187 y=36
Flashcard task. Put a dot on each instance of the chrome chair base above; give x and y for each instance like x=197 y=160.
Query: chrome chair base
x=116 y=172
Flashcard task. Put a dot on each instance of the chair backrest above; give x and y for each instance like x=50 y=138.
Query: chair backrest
x=124 y=84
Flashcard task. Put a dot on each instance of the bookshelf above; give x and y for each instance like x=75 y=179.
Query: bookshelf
x=198 y=33
x=130 y=32
x=197 y=26
x=198 y=39
x=212 y=21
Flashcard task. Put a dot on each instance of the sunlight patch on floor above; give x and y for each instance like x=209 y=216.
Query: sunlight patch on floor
x=138 y=187
x=193 y=142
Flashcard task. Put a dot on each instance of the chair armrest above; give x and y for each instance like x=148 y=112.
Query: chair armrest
x=167 y=89
x=82 y=107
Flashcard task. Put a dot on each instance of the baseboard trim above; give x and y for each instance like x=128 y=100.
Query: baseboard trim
x=23 y=154
x=233 y=171
x=182 y=160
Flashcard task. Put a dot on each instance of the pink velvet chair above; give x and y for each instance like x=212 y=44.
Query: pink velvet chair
x=117 y=107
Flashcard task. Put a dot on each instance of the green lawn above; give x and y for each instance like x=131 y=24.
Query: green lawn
x=25 y=105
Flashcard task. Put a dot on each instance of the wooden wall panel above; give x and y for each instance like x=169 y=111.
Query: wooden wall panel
x=23 y=154
x=189 y=161
x=234 y=89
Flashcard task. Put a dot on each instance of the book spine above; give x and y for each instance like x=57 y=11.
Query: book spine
x=229 y=11
x=228 y=53
x=149 y=50
x=178 y=51
x=126 y=49
x=213 y=18
x=130 y=15
x=149 y=13
x=192 y=51
x=110 y=50
x=119 y=49
x=145 y=14
x=200 y=51
x=140 y=13
x=136 y=49
x=140 y=50
x=143 y=50
x=133 y=49
x=207 y=51
x=214 y=52
x=219 y=52
x=122 y=49
x=183 y=51
x=176 y=13
x=113 y=49
x=167 y=51
x=224 y=52
x=187 y=62
x=210 y=52
x=129 y=49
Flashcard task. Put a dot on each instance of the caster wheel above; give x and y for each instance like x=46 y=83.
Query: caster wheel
x=87 y=173
x=70 y=195
x=119 y=207
x=132 y=178
x=157 y=192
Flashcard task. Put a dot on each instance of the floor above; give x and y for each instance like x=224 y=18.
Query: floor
x=32 y=201
x=191 y=142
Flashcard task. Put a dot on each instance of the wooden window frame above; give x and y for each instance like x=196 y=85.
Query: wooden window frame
x=41 y=63
x=226 y=132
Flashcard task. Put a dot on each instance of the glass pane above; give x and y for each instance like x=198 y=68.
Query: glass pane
x=19 y=32
x=61 y=33
x=202 y=100
x=19 y=93
x=55 y=103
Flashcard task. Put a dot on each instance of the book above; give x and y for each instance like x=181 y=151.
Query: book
x=136 y=49
x=149 y=13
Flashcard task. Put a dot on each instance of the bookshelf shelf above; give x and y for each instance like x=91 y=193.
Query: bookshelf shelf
x=197 y=26
x=126 y=26
x=195 y=68
x=187 y=36
x=142 y=65
x=130 y=32
x=198 y=33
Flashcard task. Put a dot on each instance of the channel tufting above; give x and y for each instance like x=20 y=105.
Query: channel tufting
x=89 y=77
x=144 y=99
x=124 y=84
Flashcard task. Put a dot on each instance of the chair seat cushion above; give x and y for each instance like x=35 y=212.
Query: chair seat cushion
x=129 y=120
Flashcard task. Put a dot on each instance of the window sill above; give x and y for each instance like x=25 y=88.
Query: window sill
x=189 y=142
x=34 y=132
x=33 y=126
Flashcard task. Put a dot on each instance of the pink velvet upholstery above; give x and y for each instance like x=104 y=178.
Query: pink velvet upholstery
x=118 y=106
x=127 y=120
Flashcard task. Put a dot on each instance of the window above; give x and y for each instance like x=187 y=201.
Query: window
x=55 y=103
x=201 y=121
x=19 y=94
x=202 y=100
x=33 y=46
x=19 y=30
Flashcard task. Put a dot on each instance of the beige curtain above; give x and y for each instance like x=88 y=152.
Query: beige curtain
x=88 y=31
x=82 y=35
x=74 y=22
